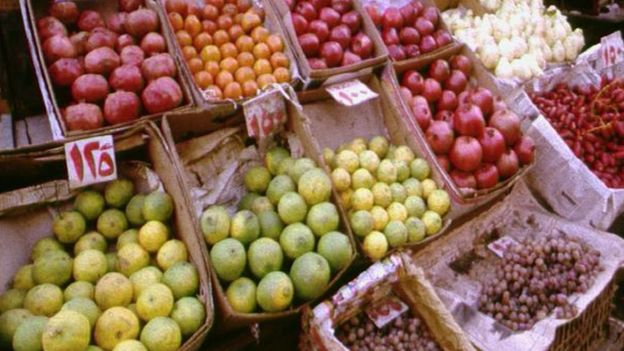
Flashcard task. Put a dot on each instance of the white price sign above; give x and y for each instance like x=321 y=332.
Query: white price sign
x=500 y=246
x=90 y=161
x=265 y=114
x=351 y=93
x=611 y=49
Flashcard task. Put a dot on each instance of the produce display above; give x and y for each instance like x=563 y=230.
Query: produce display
x=330 y=33
x=472 y=133
x=410 y=30
x=285 y=223
x=111 y=277
x=229 y=51
x=536 y=278
x=114 y=69
x=406 y=332
x=589 y=119
x=388 y=192
x=519 y=39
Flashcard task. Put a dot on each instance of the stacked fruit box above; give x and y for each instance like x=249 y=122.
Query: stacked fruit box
x=91 y=275
x=277 y=240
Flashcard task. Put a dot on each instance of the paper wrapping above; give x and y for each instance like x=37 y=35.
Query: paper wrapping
x=399 y=275
x=518 y=216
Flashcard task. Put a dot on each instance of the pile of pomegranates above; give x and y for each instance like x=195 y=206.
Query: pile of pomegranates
x=105 y=64
x=590 y=119
x=473 y=135
x=410 y=30
x=330 y=32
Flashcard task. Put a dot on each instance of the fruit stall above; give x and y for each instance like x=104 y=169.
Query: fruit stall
x=311 y=175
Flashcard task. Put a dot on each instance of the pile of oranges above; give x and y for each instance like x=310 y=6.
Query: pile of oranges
x=226 y=47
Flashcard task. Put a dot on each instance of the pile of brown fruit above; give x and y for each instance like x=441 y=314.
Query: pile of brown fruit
x=406 y=332
x=536 y=277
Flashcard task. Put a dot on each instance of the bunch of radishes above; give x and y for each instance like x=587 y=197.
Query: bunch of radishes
x=474 y=136
x=411 y=30
x=92 y=56
x=330 y=32
x=590 y=119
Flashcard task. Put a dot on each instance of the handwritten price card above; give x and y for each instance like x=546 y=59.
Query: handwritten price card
x=611 y=50
x=351 y=93
x=90 y=161
x=265 y=114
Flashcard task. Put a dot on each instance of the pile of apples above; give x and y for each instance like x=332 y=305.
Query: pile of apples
x=227 y=48
x=411 y=30
x=330 y=32
x=473 y=135
x=91 y=56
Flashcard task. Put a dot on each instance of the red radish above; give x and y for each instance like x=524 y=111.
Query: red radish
x=456 y=82
x=486 y=176
x=447 y=101
x=508 y=124
x=463 y=179
x=466 y=154
x=468 y=120
x=461 y=63
x=525 y=150
x=507 y=164
x=440 y=137
x=493 y=144
x=431 y=90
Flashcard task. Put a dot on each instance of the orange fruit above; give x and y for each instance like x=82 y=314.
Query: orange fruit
x=279 y=59
x=245 y=59
x=202 y=40
x=210 y=12
x=243 y=5
x=220 y=37
x=261 y=51
x=265 y=79
x=244 y=74
x=260 y=34
x=229 y=64
x=245 y=43
x=238 y=18
x=212 y=67
x=223 y=79
x=176 y=20
x=257 y=11
x=250 y=88
x=250 y=21
x=282 y=75
x=233 y=91
x=203 y=79
x=228 y=50
x=225 y=22
x=192 y=25
x=275 y=43
x=210 y=53
x=216 y=3
x=262 y=66
x=188 y=52
x=229 y=9
x=209 y=26
x=195 y=64
x=235 y=32
x=214 y=91
x=184 y=39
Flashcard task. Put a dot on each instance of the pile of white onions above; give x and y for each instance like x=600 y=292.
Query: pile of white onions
x=519 y=38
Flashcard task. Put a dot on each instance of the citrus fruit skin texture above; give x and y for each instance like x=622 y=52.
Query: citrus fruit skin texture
x=310 y=274
x=115 y=325
x=241 y=295
x=228 y=259
x=215 y=224
x=161 y=334
x=28 y=335
x=66 y=331
x=275 y=292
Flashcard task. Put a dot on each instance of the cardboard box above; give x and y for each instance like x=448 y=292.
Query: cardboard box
x=27 y=214
x=314 y=78
x=53 y=101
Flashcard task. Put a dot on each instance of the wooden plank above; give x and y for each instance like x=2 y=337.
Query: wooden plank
x=21 y=134
x=6 y=132
x=38 y=129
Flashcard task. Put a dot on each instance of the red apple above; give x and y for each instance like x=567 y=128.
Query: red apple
x=448 y=101
x=332 y=52
x=486 y=176
x=456 y=82
x=352 y=20
x=350 y=58
x=300 y=23
x=306 y=10
x=463 y=179
x=468 y=120
x=390 y=36
x=396 y=53
x=342 y=6
x=330 y=16
x=392 y=18
x=431 y=14
x=427 y=44
x=409 y=35
x=413 y=81
x=309 y=44
x=320 y=29
x=362 y=46
x=431 y=90
x=439 y=70
x=424 y=26
x=374 y=14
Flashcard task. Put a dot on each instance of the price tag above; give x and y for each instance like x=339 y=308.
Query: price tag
x=611 y=50
x=265 y=114
x=386 y=310
x=351 y=93
x=501 y=245
x=90 y=161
